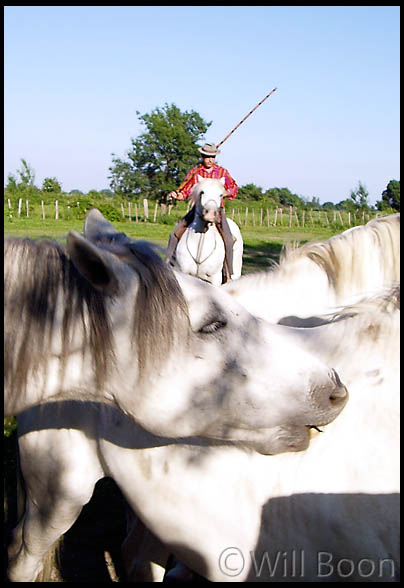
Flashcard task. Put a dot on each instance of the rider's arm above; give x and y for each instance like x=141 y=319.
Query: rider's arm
x=231 y=186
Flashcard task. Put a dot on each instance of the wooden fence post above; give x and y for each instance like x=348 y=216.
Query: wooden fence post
x=146 y=208
x=27 y=207
x=290 y=217
x=43 y=210
x=261 y=213
x=130 y=211
x=275 y=215
x=268 y=218
x=303 y=215
x=122 y=210
x=56 y=210
x=9 y=203
x=246 y=215
x=19 y=206
x=136 y=215
x=155 y=212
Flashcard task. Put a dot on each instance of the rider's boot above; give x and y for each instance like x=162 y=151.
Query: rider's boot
x=224 y=230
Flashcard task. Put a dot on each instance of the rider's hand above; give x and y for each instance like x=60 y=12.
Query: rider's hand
x=172 y=195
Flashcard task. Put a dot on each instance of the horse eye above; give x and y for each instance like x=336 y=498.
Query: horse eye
x=212 y=327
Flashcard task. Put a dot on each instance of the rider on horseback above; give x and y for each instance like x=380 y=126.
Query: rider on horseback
x=207 y=169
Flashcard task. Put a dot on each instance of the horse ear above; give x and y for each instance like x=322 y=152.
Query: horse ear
x=199 y=178
x=92 y=263
x=96 y=226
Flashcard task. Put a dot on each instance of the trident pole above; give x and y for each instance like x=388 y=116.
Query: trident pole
x=245 y=118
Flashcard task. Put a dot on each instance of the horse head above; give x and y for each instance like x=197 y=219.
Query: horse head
x=207 y=195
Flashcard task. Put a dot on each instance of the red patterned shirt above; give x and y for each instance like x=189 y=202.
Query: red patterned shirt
x=215 y=172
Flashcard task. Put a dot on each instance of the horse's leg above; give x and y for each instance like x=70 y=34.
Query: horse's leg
x=57 y=488
x=144 y=556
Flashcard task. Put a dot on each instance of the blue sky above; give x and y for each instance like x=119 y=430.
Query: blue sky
x=76 y=75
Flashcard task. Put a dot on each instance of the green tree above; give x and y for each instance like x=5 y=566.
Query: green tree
x=26 y=173
x=390 y=197
x=161 y=156
x=12 y=185
x=23 y=185
x=284 y=196
x=347 y=205
x=51 y=185
x=107 y=192
x=250 y=192
x=359 y=197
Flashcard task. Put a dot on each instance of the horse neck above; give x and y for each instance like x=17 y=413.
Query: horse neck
x=298 y=288
x=356 y=346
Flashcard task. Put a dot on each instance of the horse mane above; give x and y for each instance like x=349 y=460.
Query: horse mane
x=354 y=258
x=37 y=272
x=161 y=319
x=385 y=302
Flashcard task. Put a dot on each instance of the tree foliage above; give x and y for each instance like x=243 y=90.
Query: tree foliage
x=160 y=157
x=51 y=185
x=360 y=197
x=22 y=184
x=390 y=197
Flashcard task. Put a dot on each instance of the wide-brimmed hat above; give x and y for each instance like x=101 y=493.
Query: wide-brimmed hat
x=209 y=149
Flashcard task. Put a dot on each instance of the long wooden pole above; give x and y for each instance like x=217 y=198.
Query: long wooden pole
x=245 y=118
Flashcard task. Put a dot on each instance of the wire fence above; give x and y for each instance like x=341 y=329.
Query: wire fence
x=244 y=214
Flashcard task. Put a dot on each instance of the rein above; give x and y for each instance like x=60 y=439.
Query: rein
x=198 y=261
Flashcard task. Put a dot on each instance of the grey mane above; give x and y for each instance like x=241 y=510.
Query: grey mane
x=161 y=314
x=37 y=272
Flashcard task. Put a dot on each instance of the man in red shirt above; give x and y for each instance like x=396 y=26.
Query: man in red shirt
x=207 y=169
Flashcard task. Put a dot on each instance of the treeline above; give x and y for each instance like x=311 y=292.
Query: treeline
x=158 y=160
x=23 y=198
x=357 y=202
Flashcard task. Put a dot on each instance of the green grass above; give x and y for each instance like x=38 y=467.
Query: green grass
x=261 y=244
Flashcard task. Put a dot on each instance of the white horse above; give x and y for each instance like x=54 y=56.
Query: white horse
x=109 y=321
x=327 y=514
x=200 y=251
x=318 y=277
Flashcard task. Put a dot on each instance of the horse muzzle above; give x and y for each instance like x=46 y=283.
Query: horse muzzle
x=210 y=215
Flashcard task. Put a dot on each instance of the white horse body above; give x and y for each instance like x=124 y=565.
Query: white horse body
x=207 y=348
x=326 y=514
x=274 y=513
x=317 y=278
x=200 y=251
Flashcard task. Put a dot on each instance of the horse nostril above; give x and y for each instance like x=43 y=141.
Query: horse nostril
x=340 y=391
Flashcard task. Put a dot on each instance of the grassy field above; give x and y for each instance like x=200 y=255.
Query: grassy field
x=261 y=244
